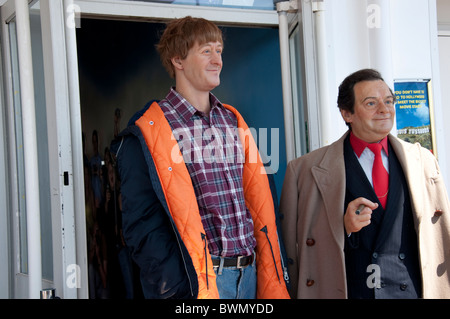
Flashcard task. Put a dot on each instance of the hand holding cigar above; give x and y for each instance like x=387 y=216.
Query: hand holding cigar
x=358 y=214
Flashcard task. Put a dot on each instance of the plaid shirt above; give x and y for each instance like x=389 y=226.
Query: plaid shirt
x=213 y=155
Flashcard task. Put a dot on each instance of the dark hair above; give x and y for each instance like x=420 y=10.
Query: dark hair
x=346 y=96
x=181 y=35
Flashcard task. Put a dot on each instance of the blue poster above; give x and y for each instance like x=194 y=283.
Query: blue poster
x=413 y=112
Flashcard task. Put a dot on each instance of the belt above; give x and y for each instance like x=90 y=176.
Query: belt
x=238 y=262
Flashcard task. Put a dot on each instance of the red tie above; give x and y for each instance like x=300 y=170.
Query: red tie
x=380 y=176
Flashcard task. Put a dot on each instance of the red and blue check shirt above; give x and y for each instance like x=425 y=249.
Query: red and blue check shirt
x=213 y=154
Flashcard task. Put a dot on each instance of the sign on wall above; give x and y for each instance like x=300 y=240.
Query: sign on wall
x=414 y=112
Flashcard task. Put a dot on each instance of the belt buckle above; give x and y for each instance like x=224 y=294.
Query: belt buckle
x=238 y=265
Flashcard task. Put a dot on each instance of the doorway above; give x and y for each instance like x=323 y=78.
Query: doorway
x=119 y=72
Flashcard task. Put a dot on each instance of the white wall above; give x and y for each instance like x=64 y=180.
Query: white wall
x=444 y=51
x=443 y=18
x=411 y=39
x=409 y=51
x=349 y=49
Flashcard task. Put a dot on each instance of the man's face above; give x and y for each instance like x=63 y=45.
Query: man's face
x=374 y=111
x=202 y=66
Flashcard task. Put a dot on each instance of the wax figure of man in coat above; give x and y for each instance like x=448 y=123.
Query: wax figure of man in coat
x=399 y=250
x=185 y=212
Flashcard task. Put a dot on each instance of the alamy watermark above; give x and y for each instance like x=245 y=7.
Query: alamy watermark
x=374 y=279
x=73 y=19
x=213 y=145
x=73 y=279
x=374 y=18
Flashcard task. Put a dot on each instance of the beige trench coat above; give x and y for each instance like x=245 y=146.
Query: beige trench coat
x=312 y=202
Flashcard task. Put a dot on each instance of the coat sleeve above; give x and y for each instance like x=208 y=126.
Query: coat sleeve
x=289 y=209
x=437 y=191
x=147 y=229
x=433 y=209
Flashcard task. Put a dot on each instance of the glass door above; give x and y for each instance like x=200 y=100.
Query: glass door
x=41 y=213
x=30 y=193
x=292 y=65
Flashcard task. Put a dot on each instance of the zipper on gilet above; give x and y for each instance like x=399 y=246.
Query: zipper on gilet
x=206 y=259
x=182 y=256
x=264 y=230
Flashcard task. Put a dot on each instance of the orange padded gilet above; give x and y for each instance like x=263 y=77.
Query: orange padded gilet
x=181 y=200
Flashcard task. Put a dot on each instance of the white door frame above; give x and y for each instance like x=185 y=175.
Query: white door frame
x=117 y=9
x=64 y=127
x=221 y=15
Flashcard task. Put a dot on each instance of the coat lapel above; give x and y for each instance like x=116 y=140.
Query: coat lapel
x=329 y=176
x=411 y=167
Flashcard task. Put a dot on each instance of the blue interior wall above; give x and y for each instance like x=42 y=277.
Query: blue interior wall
x=251 y=82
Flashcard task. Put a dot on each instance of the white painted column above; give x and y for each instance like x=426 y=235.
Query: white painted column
x=322 y=70
x=379 y=28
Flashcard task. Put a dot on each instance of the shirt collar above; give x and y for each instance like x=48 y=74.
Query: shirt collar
x=359 y=145
x=185 y=109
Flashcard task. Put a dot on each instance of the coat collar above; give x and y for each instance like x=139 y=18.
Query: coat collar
x=329 y=176
x=410 y=160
